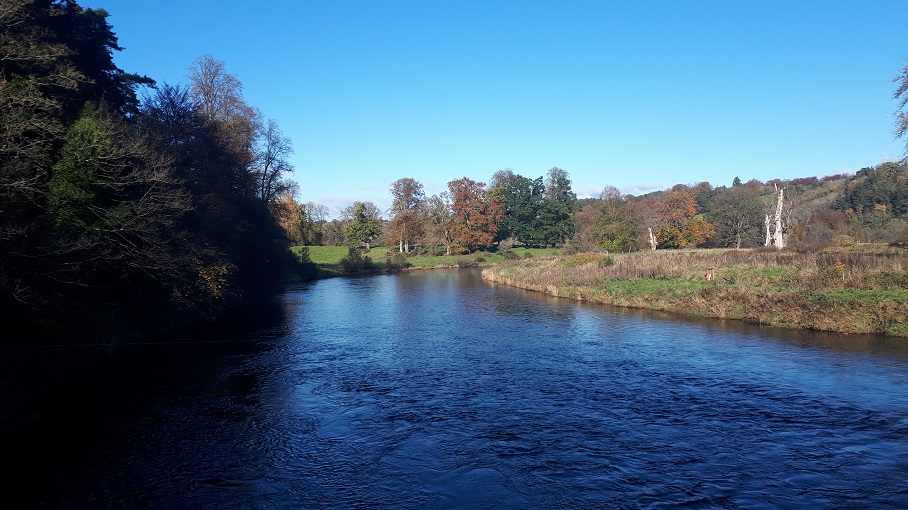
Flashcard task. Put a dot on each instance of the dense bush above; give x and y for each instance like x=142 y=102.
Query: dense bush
x=396 y=261
x=356 y=261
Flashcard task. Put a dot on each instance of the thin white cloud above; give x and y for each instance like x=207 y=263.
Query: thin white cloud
x=642 y=188
x=588 y=191
x=840 y=171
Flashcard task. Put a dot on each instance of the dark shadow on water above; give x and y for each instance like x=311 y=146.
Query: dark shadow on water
x=273 y=404
x=57 y=402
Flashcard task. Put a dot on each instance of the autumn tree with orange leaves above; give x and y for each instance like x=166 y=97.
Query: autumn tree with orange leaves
x=680 y=225
x=477 y=215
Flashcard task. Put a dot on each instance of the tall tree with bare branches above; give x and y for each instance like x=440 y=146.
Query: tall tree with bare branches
x=901 y=113
x=272 y=163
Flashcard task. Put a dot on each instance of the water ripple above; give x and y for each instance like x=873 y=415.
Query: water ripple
x=434 y=390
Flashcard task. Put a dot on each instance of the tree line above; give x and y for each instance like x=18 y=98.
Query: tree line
x=869 y=206
x=469 y=216
x=128 y=211
x=837 y=209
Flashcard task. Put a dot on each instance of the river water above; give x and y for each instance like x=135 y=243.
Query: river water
x=435 y=389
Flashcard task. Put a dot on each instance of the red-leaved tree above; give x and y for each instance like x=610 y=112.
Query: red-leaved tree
x=477 y=216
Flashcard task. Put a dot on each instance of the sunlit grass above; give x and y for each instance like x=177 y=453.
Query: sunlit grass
x=328 y=257
x=834 y=290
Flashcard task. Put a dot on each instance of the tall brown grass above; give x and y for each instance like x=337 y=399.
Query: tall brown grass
x=844 y=290
x=873 y=270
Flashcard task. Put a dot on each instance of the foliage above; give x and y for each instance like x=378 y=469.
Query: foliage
x=536 y=213
x=557 y=216
x=876 y=194
x=303 y=267
x=736 y=214
x=291 y=217
x=334 y=233
x=133 y=214
x=476 y=215
x=396 y=262
x=54 y=57
x=522 y=199
x=614 y=229
x=303 y=255
x=406 y=224
x=901 y=96
x=506 y=249
x=302 y=223
x=229 y=223
x=271 y=163
x=356 y=261
x=679 y=224
x=113 y=205
x=364 y=225
x=697 y=231
x=438 y=218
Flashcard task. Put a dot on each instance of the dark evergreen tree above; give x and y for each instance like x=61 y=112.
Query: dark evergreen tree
x=871 y=189
x=109 y=211
x=522 y=199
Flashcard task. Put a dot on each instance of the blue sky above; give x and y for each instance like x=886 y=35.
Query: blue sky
x=639 y=95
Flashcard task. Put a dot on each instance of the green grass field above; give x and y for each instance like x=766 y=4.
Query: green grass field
x=328 y=258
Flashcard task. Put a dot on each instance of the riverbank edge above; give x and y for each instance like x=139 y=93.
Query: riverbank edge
x=789 y=310
x=325 y=273
x=318 y=266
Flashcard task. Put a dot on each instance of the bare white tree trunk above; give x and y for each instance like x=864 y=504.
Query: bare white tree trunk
x=768 y=235
x=652 y=239
x=777 y=238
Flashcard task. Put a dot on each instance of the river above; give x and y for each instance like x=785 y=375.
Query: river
x=434 y=389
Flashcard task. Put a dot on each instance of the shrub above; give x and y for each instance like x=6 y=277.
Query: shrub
x=302 y=266
x=843 y=240
x=430 y=250
x=466 y=262
x=302 y=255
x=396 y=262
x=355 y=261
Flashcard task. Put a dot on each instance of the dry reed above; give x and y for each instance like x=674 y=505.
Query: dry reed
x=854 y=291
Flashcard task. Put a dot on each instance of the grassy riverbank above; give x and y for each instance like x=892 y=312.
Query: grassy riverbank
x=845 y=291
x=329 y=259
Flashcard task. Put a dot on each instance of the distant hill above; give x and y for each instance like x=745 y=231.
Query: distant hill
x=869 y=206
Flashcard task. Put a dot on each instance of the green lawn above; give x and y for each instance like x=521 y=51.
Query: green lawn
x=328 y=257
